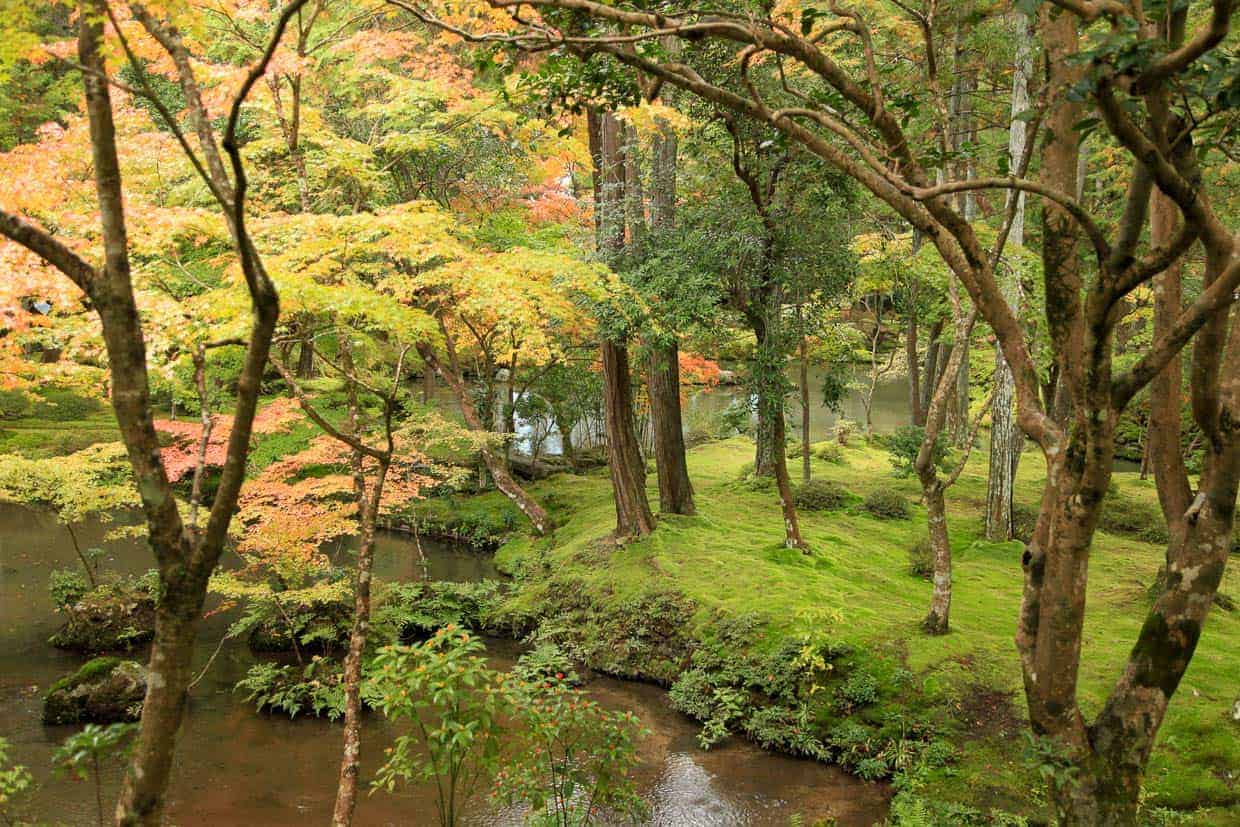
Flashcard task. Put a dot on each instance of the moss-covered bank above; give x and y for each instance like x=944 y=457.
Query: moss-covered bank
x=717 y=597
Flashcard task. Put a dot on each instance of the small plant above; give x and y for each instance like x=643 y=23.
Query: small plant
x=546 y=662
x=921 y=559
x=574 y=759
x=67 y=587
x=844 y=430
x=15 y=783
x=904 y=445
x=453 y=703
x=860 y=689
x=820 y=495
x=737 y=418
x=84 y=753
x=314 y=689
x=886 y=504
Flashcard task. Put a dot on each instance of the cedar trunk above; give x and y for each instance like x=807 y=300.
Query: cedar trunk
x=675 y=489
x=628 y=471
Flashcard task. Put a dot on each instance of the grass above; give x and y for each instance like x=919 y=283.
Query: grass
x=730 y=558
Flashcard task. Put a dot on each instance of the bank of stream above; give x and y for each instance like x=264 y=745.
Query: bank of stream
x=236 y=766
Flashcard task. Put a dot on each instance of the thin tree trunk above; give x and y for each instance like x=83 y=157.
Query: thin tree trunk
x=346 y=790
x=494 y=464
x=916 y=416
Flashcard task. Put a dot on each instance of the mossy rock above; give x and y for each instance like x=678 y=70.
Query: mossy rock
x=103 y=691
x=109 y=618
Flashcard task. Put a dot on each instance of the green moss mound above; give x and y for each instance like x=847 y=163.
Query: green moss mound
x=103 y=691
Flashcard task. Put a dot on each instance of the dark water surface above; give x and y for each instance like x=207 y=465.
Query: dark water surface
x=235 y=767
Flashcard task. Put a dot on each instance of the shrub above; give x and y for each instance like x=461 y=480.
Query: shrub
x=545 y=662
x=886 y=504
x=844 y=429
x=315 y=689
x=905 y=443
x=830 y=452
x=67 y=586
x=921 y=559
x=820 y=495
x=14 y=403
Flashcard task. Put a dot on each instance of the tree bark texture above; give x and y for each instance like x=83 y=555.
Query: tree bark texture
x=675 y=488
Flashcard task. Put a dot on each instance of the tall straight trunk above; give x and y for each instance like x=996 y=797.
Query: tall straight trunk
x=346 y=790
x=763 y=315
x=675 y=489
x=805 y=469
x=494 y=464
x=628 y=472
x=931 y=375
x=663 y=376
x=916 y=417
x=1164 y=435
x=1006 y=439
x=305 y=358
x=764 y=443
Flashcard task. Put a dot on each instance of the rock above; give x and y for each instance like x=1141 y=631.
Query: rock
x=103 y=691
x=1235 y=710
x=110 y=617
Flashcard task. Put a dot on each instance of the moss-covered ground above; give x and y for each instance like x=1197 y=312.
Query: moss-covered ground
x=729 y=560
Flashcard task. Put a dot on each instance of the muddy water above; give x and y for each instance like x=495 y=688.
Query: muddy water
x=235 y=767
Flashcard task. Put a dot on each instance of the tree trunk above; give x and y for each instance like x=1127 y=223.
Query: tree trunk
x=931 y=375
x=764 y=443
x=1006 y=439
x=937 y=621
x=916 y=417
x=805 y=469
x=346 y=790
x=305 y=359
x=494 y=464
x=628 y=471
x=792 y=527
x=675 y=489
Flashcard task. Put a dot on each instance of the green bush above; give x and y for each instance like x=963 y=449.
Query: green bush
x=545 y=662
x=921 y=559
x=886 y=504
x=14 y=403
x=905 y=443
x=820 y=495
x=830 y=452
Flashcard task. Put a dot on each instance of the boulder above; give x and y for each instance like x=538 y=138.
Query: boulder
x=103 y=691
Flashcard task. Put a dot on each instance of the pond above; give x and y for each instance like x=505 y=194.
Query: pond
x=703 y=405
x=237 y=767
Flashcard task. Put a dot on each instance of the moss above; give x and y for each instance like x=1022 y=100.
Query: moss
x=91 y=670
x=104 y=690
x=726 y=563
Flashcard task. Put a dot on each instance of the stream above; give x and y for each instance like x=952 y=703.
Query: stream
x=237 y=767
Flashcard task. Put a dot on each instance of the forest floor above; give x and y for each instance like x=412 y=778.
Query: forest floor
x=729 y=561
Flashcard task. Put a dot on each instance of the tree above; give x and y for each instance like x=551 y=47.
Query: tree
x=185 y=555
